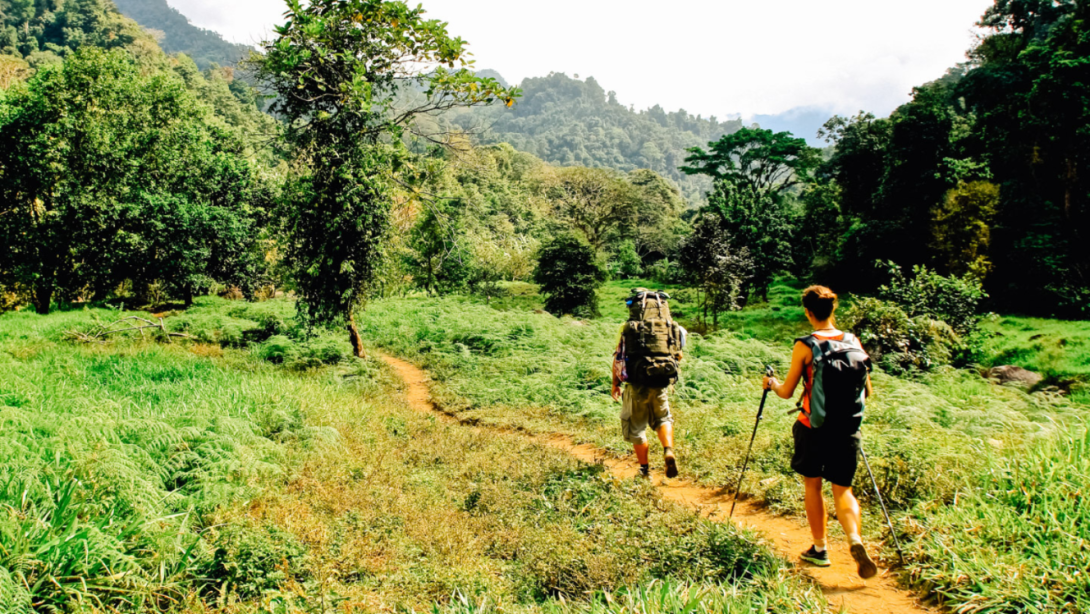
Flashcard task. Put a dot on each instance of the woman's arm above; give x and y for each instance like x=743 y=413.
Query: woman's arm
x=786 y=390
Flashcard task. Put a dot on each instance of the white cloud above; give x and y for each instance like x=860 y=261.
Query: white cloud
x=712 y=57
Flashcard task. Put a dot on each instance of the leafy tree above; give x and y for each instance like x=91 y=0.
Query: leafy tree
x=338 y=68
x=713 y=263
x=599 y=203
x=569 y=275
x=12 y=70
x=762 y=224
x=625 y=263
x=1032 y=102
x=892 y=175
x=440 y=256
x=767 y=163
x=962 y=228
x=109 y=172
x=659 y=227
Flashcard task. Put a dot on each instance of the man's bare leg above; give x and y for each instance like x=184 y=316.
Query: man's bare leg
x=666 y=437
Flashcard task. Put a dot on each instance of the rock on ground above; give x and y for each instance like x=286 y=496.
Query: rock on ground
x=1016 y=376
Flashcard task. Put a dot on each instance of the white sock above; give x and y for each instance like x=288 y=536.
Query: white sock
x=819 y=549
x=855 y=539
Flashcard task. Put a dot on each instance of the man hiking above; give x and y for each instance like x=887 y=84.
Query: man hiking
x=835 y=372
x=648 y=350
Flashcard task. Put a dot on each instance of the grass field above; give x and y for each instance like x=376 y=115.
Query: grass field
x=931 y=438
x=255 y=468
x=252 y=470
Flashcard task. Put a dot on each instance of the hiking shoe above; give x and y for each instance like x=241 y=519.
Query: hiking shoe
x=813 y=557
x=867 y=568
x=671 y=467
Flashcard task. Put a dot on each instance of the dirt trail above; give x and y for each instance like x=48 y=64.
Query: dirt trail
x=790 y=536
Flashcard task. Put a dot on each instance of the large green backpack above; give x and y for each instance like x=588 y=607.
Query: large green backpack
x=651 y=340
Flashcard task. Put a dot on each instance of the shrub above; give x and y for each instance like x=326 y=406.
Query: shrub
x=896 y=341
x=954 y=300
x=625 y=263
x=666 y=271
x=324 y=350
x=277 y=350
x=252 y=560
x=570 y=276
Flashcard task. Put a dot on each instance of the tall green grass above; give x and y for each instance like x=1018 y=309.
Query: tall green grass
x=112 y=457
x=1017 y=538
x=201 y=476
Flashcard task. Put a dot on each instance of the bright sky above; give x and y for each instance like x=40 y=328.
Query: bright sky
x=711 y=57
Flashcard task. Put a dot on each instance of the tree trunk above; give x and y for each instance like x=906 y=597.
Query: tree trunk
x=354 y=337
x=43 y=297
x=187 y=297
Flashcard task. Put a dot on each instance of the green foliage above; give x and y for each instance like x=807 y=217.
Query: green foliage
x=599 y=203
x=897 y=342
x=716 y=266
x=440 y=258
x=962 y=229
x=763 y=225
x=569 y=275
x=625 y=262
x=767 y=163
x=954 y=300
x=250 y=561
x=177 y=35
x=44 y=32
x=919 y=322
x=1031 y=103
x=338 y=69
x=113 y=173
x=1014 y=541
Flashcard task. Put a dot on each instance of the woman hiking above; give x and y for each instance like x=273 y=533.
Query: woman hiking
x=827 y=433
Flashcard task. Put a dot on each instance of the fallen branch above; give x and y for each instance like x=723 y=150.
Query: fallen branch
x=102 y=332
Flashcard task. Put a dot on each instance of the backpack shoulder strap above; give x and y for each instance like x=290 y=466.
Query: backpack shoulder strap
x=811 y=342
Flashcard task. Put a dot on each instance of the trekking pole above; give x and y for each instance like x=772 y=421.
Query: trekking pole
x=760 y=412
x=889 y=523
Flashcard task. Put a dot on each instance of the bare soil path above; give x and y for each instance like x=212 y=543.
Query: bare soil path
x=789 y=536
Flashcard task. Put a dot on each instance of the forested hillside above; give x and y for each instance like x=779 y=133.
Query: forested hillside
x=568 y=121
x=177 y=35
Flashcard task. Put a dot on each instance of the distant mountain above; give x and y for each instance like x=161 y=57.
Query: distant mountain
x=573 y=122
x=178 y=35
x=803 y=122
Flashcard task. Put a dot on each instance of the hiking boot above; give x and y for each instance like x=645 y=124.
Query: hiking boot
x=867 y=568
x=645 y=472
x=813 y=557
x=671 y=467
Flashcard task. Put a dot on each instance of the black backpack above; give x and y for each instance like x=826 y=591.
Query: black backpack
x=651 y=341
x=838 y=389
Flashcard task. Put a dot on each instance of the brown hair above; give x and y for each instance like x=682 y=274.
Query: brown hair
x=820 y=300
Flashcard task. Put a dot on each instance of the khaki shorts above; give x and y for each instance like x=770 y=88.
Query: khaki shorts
x=642 y=407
